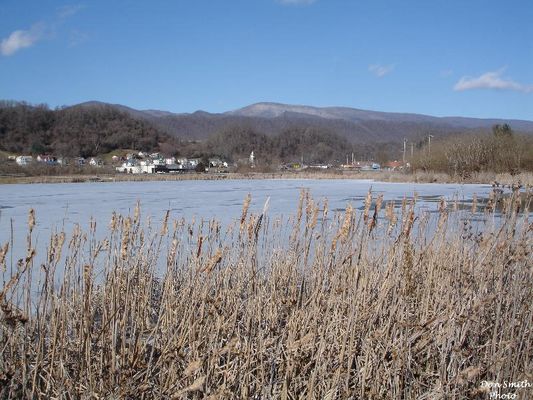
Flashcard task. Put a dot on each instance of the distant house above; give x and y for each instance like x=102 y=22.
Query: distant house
x=393 y=165
x=147 y=167
x=47 y=159
x=158 y=161
x=96 y=162
x=193 y=162
x=217 y=163
x=24 y=160
x=184 y=164
x=131 y=166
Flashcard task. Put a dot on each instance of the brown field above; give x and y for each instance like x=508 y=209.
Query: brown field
x=380 y=303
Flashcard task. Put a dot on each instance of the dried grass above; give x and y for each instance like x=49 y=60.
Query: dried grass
x=322 y=306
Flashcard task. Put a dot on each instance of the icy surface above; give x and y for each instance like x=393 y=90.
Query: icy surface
x=61 y=206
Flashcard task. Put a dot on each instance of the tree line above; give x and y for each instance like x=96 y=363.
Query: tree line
x=311 y=145
x=501 y=150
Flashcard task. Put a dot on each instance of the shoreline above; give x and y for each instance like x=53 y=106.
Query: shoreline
x=525 y=178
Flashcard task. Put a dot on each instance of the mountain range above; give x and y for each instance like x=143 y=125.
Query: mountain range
x=354 y=124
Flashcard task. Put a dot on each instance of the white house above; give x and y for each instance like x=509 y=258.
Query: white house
x=193 y=162
x=134 y=167
x=217 y=163
x=130 y=167
x=46 y=158
x=24 y=160
x=96 y=162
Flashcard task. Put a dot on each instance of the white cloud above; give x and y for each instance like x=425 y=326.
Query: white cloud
x=491 y=80
x=381 y=70
x=21 y=39
x=296 y=2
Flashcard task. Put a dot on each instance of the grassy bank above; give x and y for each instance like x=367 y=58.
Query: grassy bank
x=526 y=178
x=376 y=304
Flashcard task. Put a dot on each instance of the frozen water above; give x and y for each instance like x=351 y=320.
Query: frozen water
x=61 y=206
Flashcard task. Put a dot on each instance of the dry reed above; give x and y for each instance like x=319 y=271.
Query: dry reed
x=330 y=306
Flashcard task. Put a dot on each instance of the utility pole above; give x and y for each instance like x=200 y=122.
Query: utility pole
x=429 y=144
x=404 y=148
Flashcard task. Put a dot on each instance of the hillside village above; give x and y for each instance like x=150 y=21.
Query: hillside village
x=157 y=163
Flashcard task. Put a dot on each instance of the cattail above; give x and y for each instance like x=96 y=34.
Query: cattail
x=379 y=202
x=368 y=203
x=389 y=210
x=325 y=210
x=299 y=212
x=245 y=207
x=314 y=216
x=442 y=205
x=251 y=226
x=31 y=219
x=113 y=222
x=164 y=227
x=3 y=253
x=404 y=204
x=345 y=229
x=490 y=203
x=408 y=224
x=474 y=203
x=213 y=261
x=125 y=238
x=443 y=215
x=392 y=221
x=172 y=252
x=199 y=247
x=309 y=208
x=136 y=213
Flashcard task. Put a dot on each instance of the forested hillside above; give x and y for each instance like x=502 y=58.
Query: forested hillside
x=101 y=128
x=75 y=131
x=97 y=128
x=313 y=145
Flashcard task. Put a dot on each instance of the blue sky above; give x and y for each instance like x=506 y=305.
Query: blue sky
x=438 y=57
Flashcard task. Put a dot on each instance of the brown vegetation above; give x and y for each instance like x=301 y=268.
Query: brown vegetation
x=75 y=131
x=463 y=156
x=360 y=304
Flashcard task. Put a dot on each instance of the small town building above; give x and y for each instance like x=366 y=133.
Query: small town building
x=96 y=162
x=47 y=159
x=24 y=160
